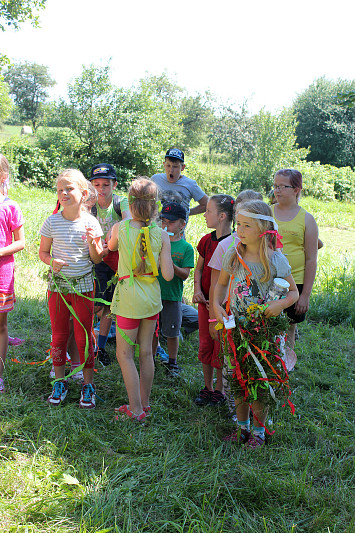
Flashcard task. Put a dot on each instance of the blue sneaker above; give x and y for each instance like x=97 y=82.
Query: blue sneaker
x=164 y=357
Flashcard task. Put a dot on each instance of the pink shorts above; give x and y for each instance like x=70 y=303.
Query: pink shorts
x=132 y=323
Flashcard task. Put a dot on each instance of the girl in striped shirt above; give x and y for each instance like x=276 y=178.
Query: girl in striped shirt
x=70 y=244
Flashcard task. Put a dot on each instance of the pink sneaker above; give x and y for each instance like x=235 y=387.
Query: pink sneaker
x=255 y=442
x=15 y=341
x=125 y=412
x=2 y=387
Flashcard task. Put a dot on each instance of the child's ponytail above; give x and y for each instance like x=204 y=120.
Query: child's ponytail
x=142 y=199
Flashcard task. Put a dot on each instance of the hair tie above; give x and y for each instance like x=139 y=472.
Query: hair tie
x=278 y=237
x=232 y=201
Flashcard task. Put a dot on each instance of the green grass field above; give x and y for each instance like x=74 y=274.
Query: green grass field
x=63 y=470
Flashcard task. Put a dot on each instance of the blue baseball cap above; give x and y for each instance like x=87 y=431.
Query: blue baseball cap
x=173 y=211
x=175 y=153
x=103 y=170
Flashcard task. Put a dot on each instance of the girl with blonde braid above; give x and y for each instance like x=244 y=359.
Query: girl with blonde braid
x=142 y=245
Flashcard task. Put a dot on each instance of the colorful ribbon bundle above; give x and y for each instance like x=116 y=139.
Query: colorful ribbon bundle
x=254 y=352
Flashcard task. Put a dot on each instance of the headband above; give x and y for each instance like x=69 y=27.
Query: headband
x=258 y=216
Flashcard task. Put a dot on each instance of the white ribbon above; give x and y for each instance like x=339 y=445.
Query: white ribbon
x=259 y=216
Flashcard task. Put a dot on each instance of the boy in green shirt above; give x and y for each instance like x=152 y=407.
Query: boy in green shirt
x=173 y=218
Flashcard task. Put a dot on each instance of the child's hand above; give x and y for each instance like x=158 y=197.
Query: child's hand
x=212 y=330
x=198 y=298
x=90 y=235
x=105 y=249
x=58 y=264
x=274 y=308
x=220 y=313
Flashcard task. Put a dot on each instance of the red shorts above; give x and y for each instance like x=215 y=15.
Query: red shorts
x=132 y=323
x=208 y=351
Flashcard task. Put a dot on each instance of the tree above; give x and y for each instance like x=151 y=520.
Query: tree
x=28 y=84
x=130 y=128
x=233 y=133
x=5 y=101
x=325 y=126
x=15 y=12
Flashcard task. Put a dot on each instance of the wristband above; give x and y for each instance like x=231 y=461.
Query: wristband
x=212 y=320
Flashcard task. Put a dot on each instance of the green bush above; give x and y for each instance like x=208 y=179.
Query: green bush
x=31 y=164
x=60 y=141
x=327 y=182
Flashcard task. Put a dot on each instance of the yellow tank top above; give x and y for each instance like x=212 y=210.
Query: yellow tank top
x=293 y=243
x=142 y=298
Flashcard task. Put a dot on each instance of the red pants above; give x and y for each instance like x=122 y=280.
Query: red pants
x=208 y=351
x=59 y=315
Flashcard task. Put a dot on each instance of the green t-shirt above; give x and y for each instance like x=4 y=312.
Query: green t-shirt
x=182 y=255
x=108 y=217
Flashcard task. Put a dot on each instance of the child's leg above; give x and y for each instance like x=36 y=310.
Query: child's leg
x=173 y=348
x=219 y=381
x=125 y=358
x=105 y=326
x=84 y=309
x=291 y=334
x=146 y=364
x=59 y=316
x=208 y=376
x=4 y=339
x=260 y=412
x=243 y=412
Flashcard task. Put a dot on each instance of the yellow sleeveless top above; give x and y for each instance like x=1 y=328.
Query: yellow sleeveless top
x=139 y=297
x=293 y=243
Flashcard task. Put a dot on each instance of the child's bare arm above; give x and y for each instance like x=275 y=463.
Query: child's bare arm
x=181 y=272
x=45 y=255
x=198 y=296
x=214 y=278
x=112 y=238
x=17 y=245
x=95 y=246
x=275 y=307
x=220 y=292
x=166 y=263
x=310 y=269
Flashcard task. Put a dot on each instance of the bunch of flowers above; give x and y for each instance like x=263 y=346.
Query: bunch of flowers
x=254 y=352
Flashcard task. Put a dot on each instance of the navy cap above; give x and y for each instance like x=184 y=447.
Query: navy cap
x=175 y=153
x=173 y=211
x=103 y=170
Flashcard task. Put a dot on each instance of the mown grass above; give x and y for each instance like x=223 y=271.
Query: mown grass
x=64 y=470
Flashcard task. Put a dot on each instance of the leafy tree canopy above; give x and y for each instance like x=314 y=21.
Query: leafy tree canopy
x=29 y=83
x=325 y=126
x=127 y=127
x=5 y=101
x=14 y=12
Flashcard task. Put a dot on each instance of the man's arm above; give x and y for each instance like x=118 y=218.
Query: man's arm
x=201 y=208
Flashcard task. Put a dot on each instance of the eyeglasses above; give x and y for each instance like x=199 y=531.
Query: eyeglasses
x=282 y=187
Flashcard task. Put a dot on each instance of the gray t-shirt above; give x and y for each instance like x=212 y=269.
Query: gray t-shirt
x=243 y=295
x=70 y=245
x=181 y=192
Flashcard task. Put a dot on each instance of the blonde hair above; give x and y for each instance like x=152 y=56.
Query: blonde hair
x=248 y=194
x=77 y=177
x=261 y=208
x=4 y=174
x=142 y=199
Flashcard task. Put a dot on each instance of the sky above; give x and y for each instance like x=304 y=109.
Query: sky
x=265 y=53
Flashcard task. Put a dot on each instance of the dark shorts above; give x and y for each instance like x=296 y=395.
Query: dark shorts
x=291 y=311
x=103 y=274
x=170 y=318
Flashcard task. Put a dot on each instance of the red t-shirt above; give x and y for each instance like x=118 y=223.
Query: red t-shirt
x=205 y=248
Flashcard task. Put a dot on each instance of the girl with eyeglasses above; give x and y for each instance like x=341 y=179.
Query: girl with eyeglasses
x=300 y=241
